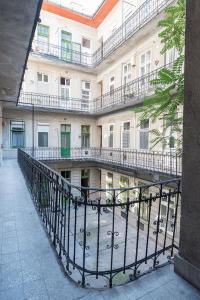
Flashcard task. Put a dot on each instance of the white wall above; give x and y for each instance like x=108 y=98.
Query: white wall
x=54 y=121
x=58 y=23
x=54 y=73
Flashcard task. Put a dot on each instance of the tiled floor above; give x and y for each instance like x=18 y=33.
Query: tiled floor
x=28 y=266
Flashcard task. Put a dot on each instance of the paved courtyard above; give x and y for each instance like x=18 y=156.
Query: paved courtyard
x=29 y=268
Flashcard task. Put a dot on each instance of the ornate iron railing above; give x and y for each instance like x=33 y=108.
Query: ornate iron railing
x=121 y=97
x=54 y=102
x=105 y=237
x=144 y=14
x=72 y=54
x=155 y=161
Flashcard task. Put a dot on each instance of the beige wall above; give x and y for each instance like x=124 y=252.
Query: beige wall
x=54 y=73
x=54 y=120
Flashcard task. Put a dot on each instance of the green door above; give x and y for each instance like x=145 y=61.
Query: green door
x=65 y=140
x=66 y=45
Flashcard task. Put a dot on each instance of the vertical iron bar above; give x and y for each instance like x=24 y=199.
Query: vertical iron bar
x=98 y=236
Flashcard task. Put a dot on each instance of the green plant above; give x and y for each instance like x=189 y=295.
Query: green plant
x=167 y=101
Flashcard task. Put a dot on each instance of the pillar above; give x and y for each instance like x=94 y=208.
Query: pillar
x=187 y=262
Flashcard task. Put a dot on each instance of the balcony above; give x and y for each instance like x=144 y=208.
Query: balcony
x=74 y=55
x=153 y=161
x=122 y=97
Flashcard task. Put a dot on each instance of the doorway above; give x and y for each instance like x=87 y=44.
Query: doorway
x=65 y=140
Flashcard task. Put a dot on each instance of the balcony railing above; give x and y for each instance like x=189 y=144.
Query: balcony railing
x=154 y=161
x=54 y=102
x=72 y=55
x=105 y=237
x=121 y=97
x=144 y=14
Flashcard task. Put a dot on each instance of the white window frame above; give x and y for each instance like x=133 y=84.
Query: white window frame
x=43 y=74
x=112 y=83
x=126 y=132
x=109 y=135
x=146 y=65
x=43 y=128
x=144 y=130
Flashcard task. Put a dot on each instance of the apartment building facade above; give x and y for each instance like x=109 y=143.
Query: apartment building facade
x=84 y=76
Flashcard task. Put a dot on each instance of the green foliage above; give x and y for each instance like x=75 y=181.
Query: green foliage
x=167 y=102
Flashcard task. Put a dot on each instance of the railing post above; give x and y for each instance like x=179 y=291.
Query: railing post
x=55 y=211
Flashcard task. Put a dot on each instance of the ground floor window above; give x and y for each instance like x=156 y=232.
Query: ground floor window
x=17 y=129
x=123 y=184
x=109 y=185
x=66 y=175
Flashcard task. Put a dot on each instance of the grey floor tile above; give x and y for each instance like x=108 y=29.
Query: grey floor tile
x=16 y=293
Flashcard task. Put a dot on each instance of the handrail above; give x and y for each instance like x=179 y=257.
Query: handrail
x=164 y=162
x=105 y=237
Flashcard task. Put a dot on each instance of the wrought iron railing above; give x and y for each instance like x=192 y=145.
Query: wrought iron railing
x=105 y=237
x=155 y=161
x=54 y=102
x=121 y=97
x=144 y=14
x=72 y=54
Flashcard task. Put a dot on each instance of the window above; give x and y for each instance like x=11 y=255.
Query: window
x=42 y=77
x=171 y=55
x=112 y=85
x=43 y=132
x=126 y=135
x=85 y=136
x=164 y=210
x=85 y=92
x=144 y=210
x=145 y=65
x=110 y=137
x=109 y=185
x=85 y=43
x=43 y=37
x=144 y=135
x=17 y=129
x=66 y=45
x=64 y=88
x=127 y=70
x=66 y=175
x=123 y=184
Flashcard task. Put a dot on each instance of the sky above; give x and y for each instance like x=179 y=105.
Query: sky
x=87 y=7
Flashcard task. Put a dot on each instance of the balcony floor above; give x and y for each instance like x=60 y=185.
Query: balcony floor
x=29 y=268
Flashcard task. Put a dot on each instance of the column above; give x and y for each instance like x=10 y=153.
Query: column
x=187 y=262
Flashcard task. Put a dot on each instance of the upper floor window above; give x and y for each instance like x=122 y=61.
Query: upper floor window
x=85 y=94
x=127 y=70
x=112 y=85
x=85 y=43
x=43 y=37
x=17 y=129
x=144 y=135
x=42 y=77
x=126 y=135
x=145 y=65
x=85 y=136
x=110 y=137
x=43 y=30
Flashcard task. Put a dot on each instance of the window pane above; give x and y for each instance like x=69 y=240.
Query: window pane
x=45 y=78
x=39 y=76
x=42 y=139
x=144 y=140
x=85 y=43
